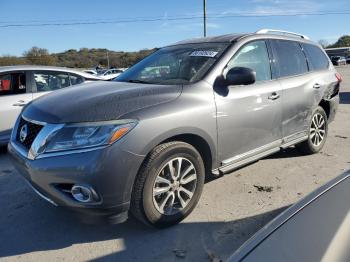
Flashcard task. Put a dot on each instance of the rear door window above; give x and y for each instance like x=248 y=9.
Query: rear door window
x=317 y=59
x=50 y=81
x=290 y=58
x=14 y=83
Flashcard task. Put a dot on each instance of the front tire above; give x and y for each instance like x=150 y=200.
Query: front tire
x=318 y=130
x=169 y=184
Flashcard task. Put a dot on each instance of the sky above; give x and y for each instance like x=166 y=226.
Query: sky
x=73 y=24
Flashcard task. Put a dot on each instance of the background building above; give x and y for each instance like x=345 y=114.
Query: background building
x=339 y=51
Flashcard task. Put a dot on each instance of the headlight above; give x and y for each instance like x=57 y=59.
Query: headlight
x=77 y=136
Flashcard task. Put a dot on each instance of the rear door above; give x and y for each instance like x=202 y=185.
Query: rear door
x=297 y=88
x=15 y=92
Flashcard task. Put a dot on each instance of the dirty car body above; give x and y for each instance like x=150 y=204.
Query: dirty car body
x=198 y=106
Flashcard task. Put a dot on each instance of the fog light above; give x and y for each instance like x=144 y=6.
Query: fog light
x=82 y=193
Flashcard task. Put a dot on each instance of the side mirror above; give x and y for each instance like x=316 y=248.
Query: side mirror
x=240 y=76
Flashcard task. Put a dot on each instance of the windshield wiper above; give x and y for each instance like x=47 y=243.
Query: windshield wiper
x=138 y=81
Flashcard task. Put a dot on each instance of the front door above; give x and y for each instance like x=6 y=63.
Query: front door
x=249 y=117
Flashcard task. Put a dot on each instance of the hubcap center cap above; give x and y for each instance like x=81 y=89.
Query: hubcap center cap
x=175 y=185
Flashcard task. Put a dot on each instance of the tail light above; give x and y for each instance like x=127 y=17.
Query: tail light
x=339 y=78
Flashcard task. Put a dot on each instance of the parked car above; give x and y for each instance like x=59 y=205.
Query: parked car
x=338 y=60
x=21 y=84
x=109 y=74
x=90 y=71
x=314 y=229
x=348 y=59
x=145 y=144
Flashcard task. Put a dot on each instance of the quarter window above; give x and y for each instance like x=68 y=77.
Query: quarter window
x=317 y=59
x=291 y=59
x=254 y=56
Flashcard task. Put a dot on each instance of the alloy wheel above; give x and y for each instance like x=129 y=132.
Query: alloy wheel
x=174 y=186
x=318 y=129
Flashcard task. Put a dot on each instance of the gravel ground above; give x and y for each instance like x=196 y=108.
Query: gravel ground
x=230 y=211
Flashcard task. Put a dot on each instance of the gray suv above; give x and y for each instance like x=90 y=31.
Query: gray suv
x=145 y=142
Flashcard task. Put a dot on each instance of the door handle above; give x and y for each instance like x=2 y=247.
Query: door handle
x=274 y=96
x=317 y=86
x=20 y=103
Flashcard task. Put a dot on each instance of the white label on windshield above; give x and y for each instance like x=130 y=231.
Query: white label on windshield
x=204 y=53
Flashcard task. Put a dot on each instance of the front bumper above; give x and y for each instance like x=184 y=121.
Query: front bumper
x=110 y=171
x=5 y=137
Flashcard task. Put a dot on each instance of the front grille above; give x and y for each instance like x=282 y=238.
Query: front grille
x=32 y=132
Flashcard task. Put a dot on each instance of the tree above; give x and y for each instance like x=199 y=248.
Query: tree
x=39 y=56
x=343 y=41
x=8 y=60
x=323 y=43
x=82 y=58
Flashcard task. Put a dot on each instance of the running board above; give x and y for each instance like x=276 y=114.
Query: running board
x=230 y=167
x=295 y=141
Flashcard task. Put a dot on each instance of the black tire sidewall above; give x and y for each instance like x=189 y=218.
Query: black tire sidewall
x=150 y=211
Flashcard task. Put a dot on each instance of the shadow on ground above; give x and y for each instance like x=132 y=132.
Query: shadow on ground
x=28 y=224
x=289 y=152
x=3 y=150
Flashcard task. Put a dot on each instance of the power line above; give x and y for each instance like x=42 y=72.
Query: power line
x=169 y=18
x=174 y=16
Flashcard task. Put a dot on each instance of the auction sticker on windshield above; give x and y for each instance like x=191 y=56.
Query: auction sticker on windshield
x=204 y=53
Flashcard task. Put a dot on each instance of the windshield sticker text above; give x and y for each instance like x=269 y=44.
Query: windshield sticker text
x=204 y=53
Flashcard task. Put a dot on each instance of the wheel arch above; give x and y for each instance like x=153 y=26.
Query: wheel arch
x=326 y=106
x=200 y=144
x=198 y=138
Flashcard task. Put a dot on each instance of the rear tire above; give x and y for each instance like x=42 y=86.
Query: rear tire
x=169 y=184
x=317 y=134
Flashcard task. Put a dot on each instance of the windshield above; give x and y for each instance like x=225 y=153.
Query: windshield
x=181 y=64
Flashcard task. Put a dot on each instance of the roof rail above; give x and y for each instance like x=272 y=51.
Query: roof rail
x=267 y=31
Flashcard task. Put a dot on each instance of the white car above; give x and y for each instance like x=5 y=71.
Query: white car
x=90 y=72
x=109 y=74
x=21 y=84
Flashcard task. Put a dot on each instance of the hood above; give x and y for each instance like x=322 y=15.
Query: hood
x=98 y=101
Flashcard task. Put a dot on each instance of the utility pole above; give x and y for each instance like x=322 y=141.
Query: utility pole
x=205 y=18
x=107 y=60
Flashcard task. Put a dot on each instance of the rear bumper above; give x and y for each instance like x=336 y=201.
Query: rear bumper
x=333 y=106
x=109 y=171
